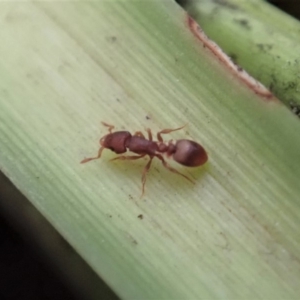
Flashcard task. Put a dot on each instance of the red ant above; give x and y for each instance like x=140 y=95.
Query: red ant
x=185 y=152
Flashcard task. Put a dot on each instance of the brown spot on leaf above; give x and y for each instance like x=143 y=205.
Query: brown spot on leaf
x=295 y=108
x=244 y=23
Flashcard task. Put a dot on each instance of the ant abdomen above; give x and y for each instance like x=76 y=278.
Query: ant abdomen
x=189 y=153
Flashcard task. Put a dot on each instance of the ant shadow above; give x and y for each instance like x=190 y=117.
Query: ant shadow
x=169 y=180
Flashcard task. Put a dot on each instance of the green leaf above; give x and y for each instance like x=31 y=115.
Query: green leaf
x=67 y=66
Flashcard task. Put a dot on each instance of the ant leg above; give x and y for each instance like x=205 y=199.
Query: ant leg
x=110 y=127
x=165 y=131
x=172 y=169
x=145 y=171
x=139 y=133
x=149 y=134
x=128 y=157
x=92 y=158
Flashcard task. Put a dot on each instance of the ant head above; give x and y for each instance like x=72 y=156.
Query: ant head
x=103 y=141
x=115 y=141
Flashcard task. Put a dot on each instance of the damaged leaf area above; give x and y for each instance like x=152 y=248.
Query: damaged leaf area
x=253 y=84
x=267 y=47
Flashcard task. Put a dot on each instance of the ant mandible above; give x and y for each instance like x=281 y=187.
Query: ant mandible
x=185 y=152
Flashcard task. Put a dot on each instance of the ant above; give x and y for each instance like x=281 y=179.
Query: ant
x=185 y=152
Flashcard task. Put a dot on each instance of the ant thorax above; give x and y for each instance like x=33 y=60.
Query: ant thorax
x=169 y=148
